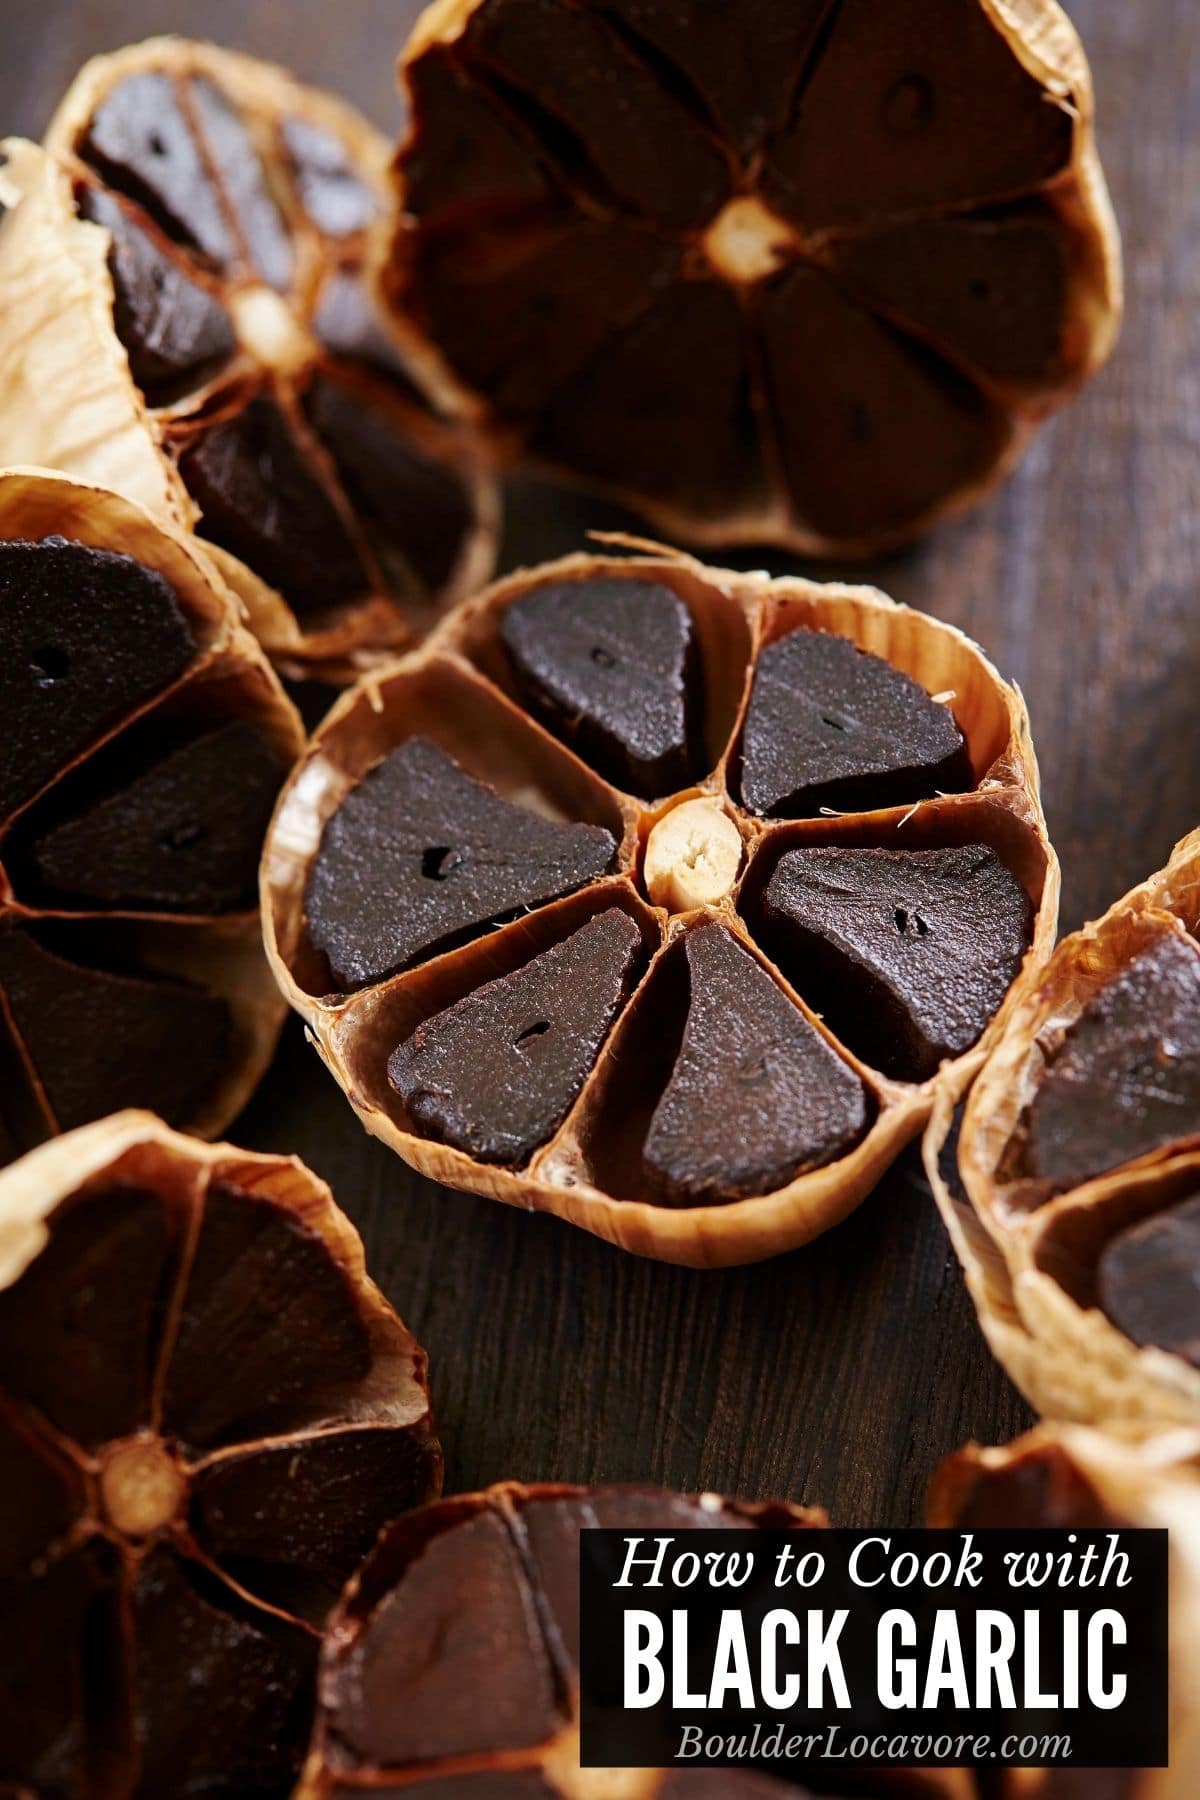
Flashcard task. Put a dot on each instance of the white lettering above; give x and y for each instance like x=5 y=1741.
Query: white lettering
x=896 y=1676
x=643 y=1643
x=1105 y=1697
x=731 y=1664
x=776 y=1625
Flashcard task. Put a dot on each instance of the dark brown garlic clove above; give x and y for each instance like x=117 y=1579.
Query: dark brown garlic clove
x=260 y=1512
x=460 y=1643
x=176 y=332
x=945 y=113
x=182 y=835
x=496 y=1073
x=1126 y=1078
x=1149 y=1281
x=100 y=1280
x=743 y=80
x=703 y=432
x=422 y=854
x=876 y=431
x=1070 y=1193
x=831 y=727
x=231 y=152
x=86 y=636
x=43 y=1661
x=262 y=500
x=413 y=510
x=260 y=1290
x=141 y=140
x=993 y=288
x=256 y=1670
x=170 y=1041
x=612 y=668
x=906 y=953
x=639 y=147
x=335 y=197
x=756 y=1094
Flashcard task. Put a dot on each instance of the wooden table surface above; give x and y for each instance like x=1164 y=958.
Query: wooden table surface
x=844 y=1372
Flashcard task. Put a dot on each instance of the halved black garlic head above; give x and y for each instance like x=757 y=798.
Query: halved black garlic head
x=574 y=904
x=802 y=272
x=451 y=1665
x=207 y=1413
x=146 y=741
x=1072 y=1194
x=190 y=259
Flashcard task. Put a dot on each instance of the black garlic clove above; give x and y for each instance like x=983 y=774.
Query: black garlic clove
x=100 y=1041
x=421 y=855
x=495 y=1074
x=182 y=835
x=612 y=667
x=906 y=953
x=86 y=637
x=1125 y=1080
x=175 y=332
x=141 y=141
x=262 y=500
x=1149 y=1281
x=832 y=726
x=756 y=1093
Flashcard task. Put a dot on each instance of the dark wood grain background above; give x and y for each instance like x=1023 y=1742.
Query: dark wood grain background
x=841 y=1373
